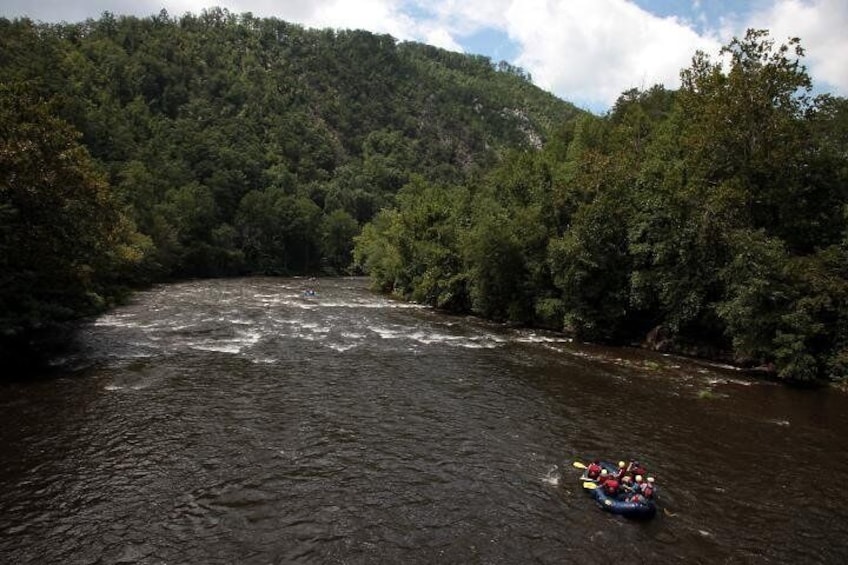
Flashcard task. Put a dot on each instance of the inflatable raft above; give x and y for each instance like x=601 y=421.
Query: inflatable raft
x=640 y=510
x=645 y=509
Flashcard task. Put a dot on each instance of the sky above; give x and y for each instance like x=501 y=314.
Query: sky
x=584 y=51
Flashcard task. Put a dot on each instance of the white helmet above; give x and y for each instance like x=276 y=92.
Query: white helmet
x=650 y=479
x=638 y=478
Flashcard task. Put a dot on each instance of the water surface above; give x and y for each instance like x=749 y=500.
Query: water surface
x=239 y=421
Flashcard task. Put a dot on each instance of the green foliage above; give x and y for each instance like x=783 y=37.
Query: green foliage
x=338 y=230
x=496 y=269
x=712 y=218
x=190 y=115
x=64 y=241
x=591 y=267
x=377 y=251
x=279 y=233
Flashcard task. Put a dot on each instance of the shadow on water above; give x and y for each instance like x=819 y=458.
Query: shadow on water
x=241 y=421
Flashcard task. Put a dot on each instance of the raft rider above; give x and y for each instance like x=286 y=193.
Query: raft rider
x=593 y=471
x=649 y=490
x=636 y=468
x=611 y=486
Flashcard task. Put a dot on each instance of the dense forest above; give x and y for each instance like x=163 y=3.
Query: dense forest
x=138 y=150
x=711 y=220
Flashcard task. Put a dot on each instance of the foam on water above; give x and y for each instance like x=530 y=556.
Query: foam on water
x=263 y=361
x=232 y=345
x=535 y=338
x=342 y=347
x=552 y=477
x=217 y=346
x=386 y=333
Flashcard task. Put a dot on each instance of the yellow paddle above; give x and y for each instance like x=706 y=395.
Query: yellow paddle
x=590 y=486
x=579 y=465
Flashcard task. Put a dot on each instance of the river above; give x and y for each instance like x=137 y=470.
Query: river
x=239 y=421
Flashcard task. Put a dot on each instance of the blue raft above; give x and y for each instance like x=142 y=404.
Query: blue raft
x=639 y=510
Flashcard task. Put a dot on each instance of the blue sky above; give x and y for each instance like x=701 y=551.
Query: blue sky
x=585 y=51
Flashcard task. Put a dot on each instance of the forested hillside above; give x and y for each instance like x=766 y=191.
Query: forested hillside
x=710 y=220
x=142 y=149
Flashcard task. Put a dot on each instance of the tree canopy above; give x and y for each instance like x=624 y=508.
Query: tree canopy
x=709 y=220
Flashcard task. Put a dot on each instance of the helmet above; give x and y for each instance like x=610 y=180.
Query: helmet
x=650 y=479
x=638 y=478
x=621 y=464
x=604 y=472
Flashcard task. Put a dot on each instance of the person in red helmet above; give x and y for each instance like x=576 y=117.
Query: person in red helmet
x=611 y=486
x=593 y=471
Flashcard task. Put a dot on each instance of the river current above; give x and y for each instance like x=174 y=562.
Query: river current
x=240 y=421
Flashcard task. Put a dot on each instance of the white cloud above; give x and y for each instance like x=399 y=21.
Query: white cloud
x=821 y=25
x=590 y=51
x=441 y=37
x=467 y=16
x=379 y=16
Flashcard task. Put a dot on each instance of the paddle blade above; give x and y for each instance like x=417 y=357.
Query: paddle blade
x=579 y=465
x=590 y=486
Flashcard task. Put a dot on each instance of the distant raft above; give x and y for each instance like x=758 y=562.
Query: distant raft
x=645 y=509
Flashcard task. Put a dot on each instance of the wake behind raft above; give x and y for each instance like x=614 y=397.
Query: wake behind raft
x=622 y=503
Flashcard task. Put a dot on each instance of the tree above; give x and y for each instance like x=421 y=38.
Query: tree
x=338 y=230
x=752 y=155
x=279 y=233
x=64 y=242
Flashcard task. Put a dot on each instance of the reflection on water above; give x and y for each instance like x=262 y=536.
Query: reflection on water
x=241 y=421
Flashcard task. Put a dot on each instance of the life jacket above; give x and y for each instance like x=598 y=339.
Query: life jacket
x=638 y=470
x=647 y=490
